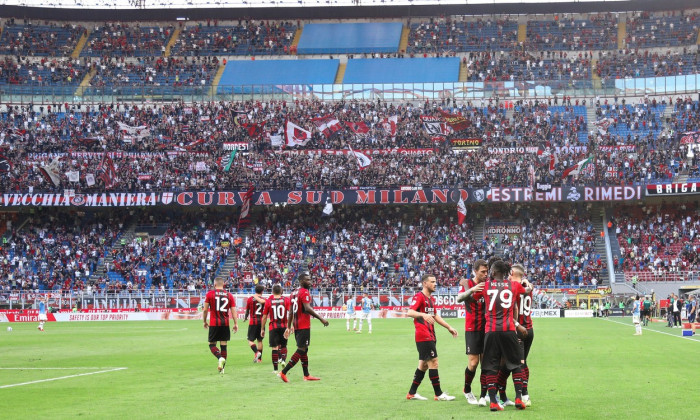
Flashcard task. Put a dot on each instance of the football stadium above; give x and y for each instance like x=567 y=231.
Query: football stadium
x=480 y=207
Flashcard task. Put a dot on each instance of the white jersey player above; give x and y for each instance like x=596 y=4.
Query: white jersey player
x=635 y=316
x=350 y=314
x=365 y=312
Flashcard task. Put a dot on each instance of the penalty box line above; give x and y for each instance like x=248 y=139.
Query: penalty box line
x=62 y=377
x=660 y=332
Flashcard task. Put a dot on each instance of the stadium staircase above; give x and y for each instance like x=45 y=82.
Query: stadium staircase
x=621 y=33
x=295 y=41
x=522 y=32
x=595 y=79
x=598 y=226
x=232 y=257
x=403 y=44
x=100 y=271
x=85 y=83
x=591 y=117
x=410 y=218
x=172 y=41
x=340 y=75
x=463 y=72
x=217 y=79
x=81 y=44
x=696 y=42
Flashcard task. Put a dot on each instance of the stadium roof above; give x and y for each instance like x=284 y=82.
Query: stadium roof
x=164 y=10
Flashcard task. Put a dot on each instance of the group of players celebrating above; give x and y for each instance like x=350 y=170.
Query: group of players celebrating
x=498 y=333
x=498 y=330
x=287 y=315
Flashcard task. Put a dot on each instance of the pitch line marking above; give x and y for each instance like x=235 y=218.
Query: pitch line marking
x=56 y=368
x=660 y=332
x=62 y=377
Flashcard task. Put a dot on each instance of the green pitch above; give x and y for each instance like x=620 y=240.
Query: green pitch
x=580 y=369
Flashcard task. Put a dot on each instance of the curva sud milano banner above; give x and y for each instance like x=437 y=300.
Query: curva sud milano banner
x=363 y=195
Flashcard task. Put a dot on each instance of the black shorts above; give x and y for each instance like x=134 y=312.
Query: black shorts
x=254 y=333
x=426 y=350
x=276 y=337
x=303 y=337
x=526 y=343
x=222 y=333
x=646 y=313
x=501 y=345
x=474 y=341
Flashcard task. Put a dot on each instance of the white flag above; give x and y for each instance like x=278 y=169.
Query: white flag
x=73 y=176
x=328 y=208
x=363 y=160
x=296 y=136
x=90 y=179
x=276 y=140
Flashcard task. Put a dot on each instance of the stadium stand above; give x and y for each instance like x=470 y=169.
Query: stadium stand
x=439 y=35
x=599 y=32
x=662 y=30
x=127 y=40
x=402 y=70
x=249 y=76
x=28 y=39
x=246 y=38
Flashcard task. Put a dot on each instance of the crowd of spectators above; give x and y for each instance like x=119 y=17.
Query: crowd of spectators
x=442 y=34
x=556 y=244
x=658 y=239
x=58 y=250
x=186 y=257
x=598 y=32
x=646 y=29
x=181 y=146
x=41 y=72
x=249 y=37
x=632 y=64
x=29 y=39
x=119 y=39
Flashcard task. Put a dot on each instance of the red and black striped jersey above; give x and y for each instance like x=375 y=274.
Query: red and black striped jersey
x=277 y=309
x=220 y=303
x=500 y=297
x=302 y=320
x=525 y=310
x=475 y=319
x=423 y=304
x=254 y=310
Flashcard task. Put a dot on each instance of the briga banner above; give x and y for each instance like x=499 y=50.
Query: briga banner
x=673 y=189
x=235 y=198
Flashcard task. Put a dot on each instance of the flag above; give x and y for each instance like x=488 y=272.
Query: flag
x=243 y=219
x=576 y=169
x=328 y=208
x=5 y=164
x=389 y=125
x=491 y=163
x=228 y=160
x=296 y=136
x=461 y=211
x=138 y=133
x=90 y=179
x=456 y=121
x=603 y=125
x=531 y=175
x=434 y=126
x=327 y=124
x=357 y=127
x=254 y=130
x=553 y=160
x=106 y=171
x=50 y=172
x=73 y=176
x=363 y=160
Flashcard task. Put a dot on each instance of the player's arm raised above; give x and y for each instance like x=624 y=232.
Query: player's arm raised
x=205 y=314
x=442 y=322
x=309 y=310
x=468 y=294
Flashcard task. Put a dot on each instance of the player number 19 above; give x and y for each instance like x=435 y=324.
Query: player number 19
x=525 y=305
x=506 y=297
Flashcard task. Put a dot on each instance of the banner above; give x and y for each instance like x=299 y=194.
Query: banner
x=572 y=194
x=511 y=150
x=692 y=137
x=504 y=230
x=240 y=145
x=327 y=124
x=434 y=126
x=368 y=152
x=578 y=313
x=545 y=313
x=627 y=148
x=465 y=144
x=363 y=195
x=456 y=121
x=673 y=189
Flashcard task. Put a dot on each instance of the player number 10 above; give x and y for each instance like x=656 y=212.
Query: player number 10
x=506 y=298
x=278 y=312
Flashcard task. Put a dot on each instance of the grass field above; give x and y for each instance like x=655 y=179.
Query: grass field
x=580 y=369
